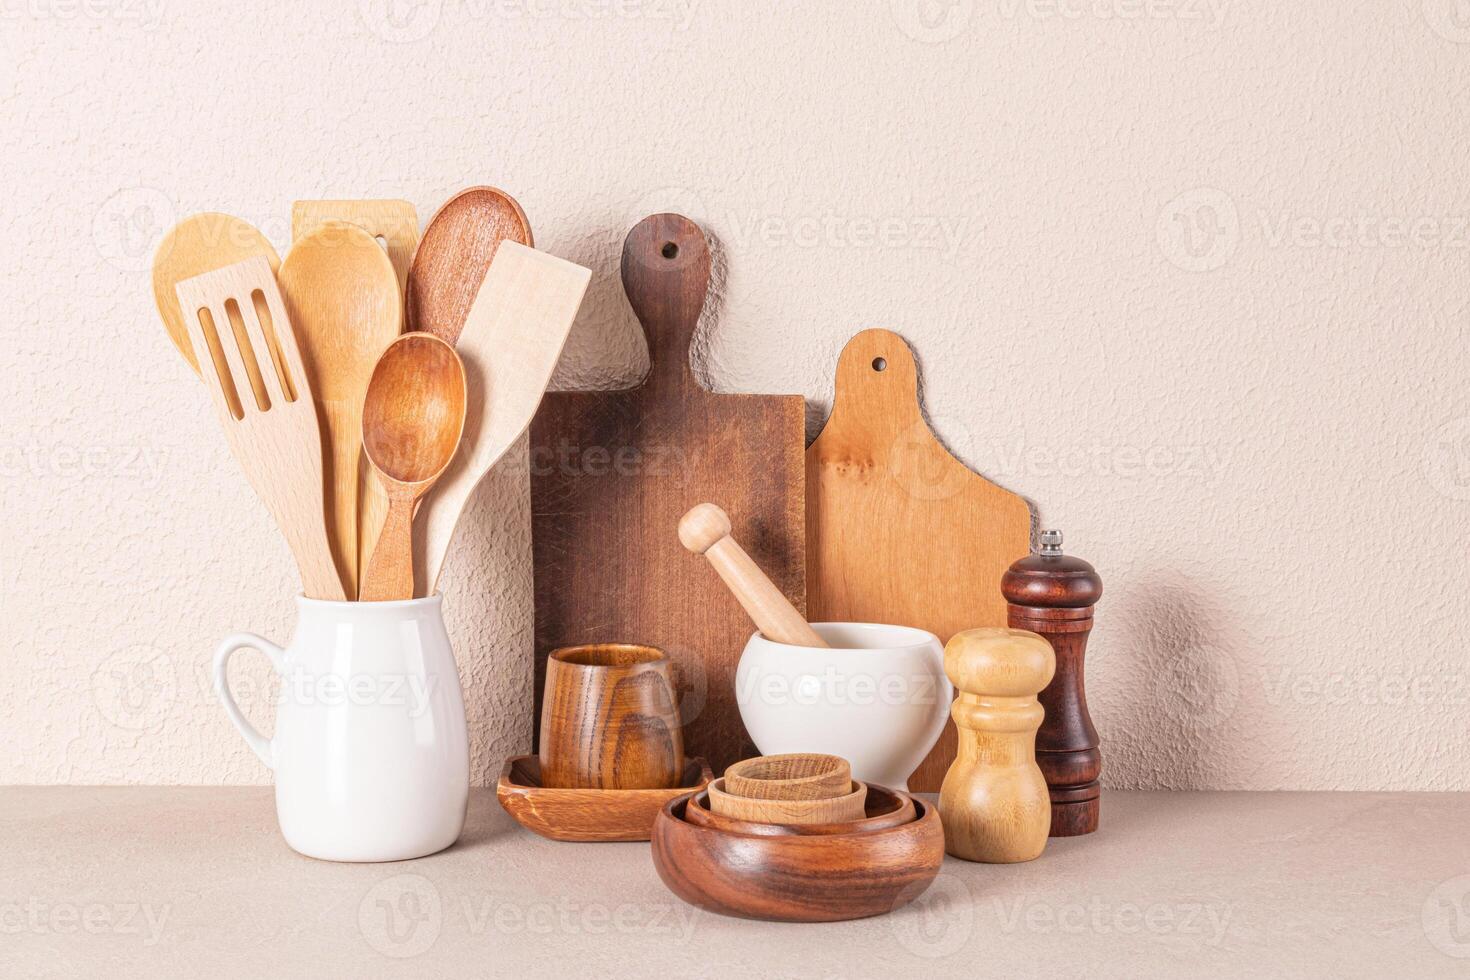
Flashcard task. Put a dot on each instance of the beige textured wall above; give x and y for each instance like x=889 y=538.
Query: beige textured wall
x=1191 y=275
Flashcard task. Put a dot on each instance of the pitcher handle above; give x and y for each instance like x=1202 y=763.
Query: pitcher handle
x=240 y=641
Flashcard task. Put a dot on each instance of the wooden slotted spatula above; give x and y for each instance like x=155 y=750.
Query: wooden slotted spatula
x=274 y=434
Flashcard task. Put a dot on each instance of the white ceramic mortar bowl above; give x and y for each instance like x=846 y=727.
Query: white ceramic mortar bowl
x=878 y=697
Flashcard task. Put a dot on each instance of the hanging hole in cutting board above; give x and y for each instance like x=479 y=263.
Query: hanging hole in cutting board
x=670 y=250
x=880 y=363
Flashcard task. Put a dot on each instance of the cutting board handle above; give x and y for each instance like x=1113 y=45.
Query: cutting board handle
x=877 y=383
x=666 y=267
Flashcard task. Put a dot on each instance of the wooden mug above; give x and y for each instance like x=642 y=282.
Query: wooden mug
x=610 y=719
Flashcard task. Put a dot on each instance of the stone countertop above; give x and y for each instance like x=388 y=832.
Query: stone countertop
x=189 y=882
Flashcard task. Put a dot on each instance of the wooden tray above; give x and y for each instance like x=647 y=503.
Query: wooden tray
x=587 y=814
x=613 y=471
x=797 y=878
x=898 y=530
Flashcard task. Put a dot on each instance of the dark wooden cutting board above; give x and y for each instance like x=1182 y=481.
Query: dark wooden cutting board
x=613 y=471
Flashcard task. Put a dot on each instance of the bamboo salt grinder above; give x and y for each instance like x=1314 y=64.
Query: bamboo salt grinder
x=993 y=802
x=1053 y=594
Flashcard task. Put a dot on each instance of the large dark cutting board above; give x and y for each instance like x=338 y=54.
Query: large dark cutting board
x=613 y=471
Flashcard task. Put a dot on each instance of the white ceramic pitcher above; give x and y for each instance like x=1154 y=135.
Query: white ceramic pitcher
x=370 y=752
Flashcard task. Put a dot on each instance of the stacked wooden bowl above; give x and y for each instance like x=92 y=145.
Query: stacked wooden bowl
x=795 y=839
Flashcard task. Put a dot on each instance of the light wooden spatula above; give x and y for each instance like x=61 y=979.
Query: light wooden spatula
x=273 y=433
x=510 y=343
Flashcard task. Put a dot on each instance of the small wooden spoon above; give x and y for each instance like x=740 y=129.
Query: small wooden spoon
x=455 y=253
x=412 y=419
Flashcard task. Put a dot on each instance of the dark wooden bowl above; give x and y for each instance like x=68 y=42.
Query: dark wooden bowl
x=588 y=814
x=798 y=877
x=884 y=807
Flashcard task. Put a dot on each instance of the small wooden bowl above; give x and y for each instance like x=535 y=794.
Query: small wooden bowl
x=587 y=814
x=794 y=776
x=838 y=809
x=797 y=878
x=884 y=809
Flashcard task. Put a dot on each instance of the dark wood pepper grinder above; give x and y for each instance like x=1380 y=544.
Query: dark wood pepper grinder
x=1053 y=594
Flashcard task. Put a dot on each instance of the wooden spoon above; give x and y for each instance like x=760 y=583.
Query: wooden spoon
x=342 y=294
x=412 y=419
x=705 y=530
x=203 y=243
x=455 y=253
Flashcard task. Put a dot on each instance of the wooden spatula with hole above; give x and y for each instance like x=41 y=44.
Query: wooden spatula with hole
x=342 y=293
x=395 y=224
x=273 y=433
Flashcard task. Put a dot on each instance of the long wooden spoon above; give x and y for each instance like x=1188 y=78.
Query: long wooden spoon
x=343 y=298
x=455 y=253
x=412 y=419
x=203 y=243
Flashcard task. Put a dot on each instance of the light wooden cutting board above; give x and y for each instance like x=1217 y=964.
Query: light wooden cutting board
x=613 y=471
x=898 y=530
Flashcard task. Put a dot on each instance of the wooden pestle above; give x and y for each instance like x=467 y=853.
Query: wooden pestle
x=705 y=530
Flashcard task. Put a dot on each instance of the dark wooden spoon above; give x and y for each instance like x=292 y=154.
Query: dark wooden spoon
x=455 y=253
